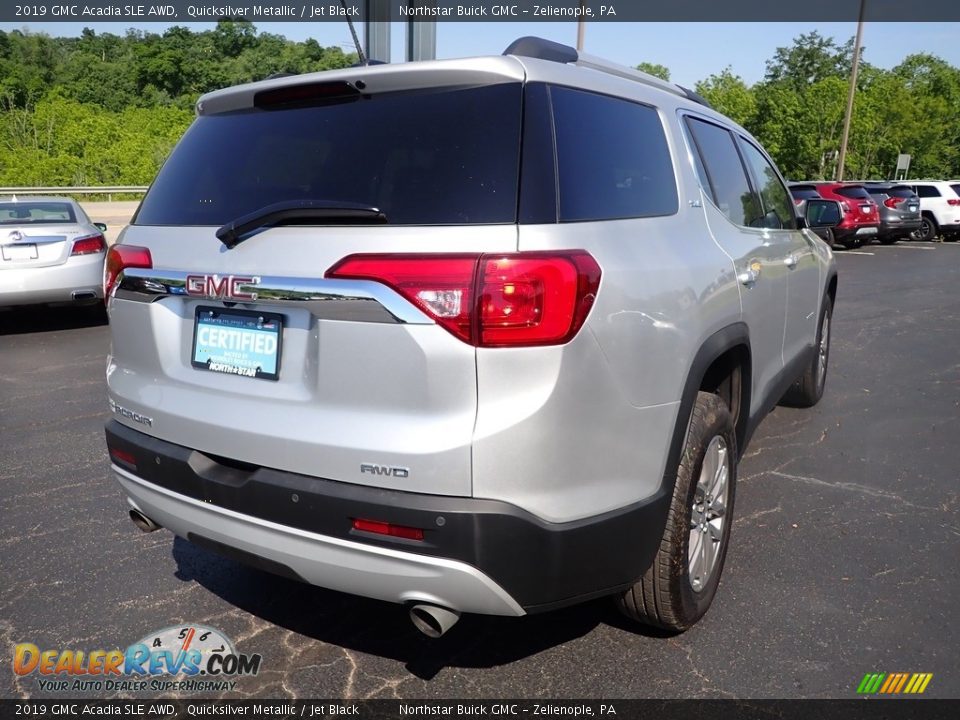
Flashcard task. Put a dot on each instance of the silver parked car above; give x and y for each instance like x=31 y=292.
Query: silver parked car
x=50 y=252
x=483 y=335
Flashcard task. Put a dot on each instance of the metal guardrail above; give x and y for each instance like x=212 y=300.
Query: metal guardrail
x=108 y=190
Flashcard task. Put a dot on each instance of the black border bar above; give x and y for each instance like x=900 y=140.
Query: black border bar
x=43 y=708
x=145 y=12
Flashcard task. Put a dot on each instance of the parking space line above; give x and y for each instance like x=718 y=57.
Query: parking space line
x=912 y=247
x=854 y=252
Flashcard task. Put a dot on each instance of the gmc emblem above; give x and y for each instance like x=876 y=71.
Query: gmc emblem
x=217 y=288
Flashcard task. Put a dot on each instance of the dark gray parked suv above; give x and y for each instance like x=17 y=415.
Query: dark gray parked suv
x=484 y=335
x=899 y=209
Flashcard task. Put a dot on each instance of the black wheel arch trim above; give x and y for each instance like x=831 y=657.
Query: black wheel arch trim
x=728 y=338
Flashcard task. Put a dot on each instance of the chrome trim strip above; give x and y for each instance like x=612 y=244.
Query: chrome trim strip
x=354 y=300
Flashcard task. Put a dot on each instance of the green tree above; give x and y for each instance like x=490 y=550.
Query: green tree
x=730 y=95
x=655 y=69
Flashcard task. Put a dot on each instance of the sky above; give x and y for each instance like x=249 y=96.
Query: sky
x=692 y=51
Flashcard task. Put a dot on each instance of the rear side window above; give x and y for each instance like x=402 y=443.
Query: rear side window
x=956 y=188
x=612 y=158
x=726 y=180
x=927 y=191
x=444 y=157
x=778 y=212
x=856 y=193
x=804 y=192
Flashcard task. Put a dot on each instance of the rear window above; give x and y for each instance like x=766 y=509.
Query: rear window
x=901 y=192
x=445 y=157
x=956 y=188
x=612 y=158
x=36 y=213
x=858 y=193
x=804 y=192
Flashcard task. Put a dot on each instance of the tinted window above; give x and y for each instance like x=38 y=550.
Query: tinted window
x=804 y=192
x=726 y=179
x=445 y=157
x=858 y=193
x=778 y=209
x=956 y=188
x=901 y=192
x=36 y=213
x=612 y=158
x=927 y=191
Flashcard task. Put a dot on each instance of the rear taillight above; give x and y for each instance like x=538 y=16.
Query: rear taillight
x=119 y=258
x=507 y=300
x=892 y=202
x=89 y=245
x=798 y=201
x=953 y=201
x=844 y=207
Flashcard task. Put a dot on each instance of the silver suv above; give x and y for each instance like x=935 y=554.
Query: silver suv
x=483 y=335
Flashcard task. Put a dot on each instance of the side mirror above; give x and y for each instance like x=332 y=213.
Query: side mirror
x=823 y=213
x=102 y=227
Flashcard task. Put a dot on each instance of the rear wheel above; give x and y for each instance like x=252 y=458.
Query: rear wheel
x=680 y=584
x=808 y=389
x=927 y=231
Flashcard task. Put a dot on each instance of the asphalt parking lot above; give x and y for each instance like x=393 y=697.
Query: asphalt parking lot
x=843 y=561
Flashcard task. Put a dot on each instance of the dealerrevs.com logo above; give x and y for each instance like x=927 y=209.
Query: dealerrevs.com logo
x=186 y=658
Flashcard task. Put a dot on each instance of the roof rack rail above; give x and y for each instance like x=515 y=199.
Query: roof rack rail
x=542 y=49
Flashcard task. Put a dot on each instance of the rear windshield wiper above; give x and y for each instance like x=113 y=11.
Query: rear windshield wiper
x=294 y=211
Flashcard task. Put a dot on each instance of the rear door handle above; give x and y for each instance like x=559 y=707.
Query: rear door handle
x=751 y=274
x=748 y=277
x=791 y=261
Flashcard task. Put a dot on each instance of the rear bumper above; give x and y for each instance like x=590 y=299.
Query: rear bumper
x=899 y=227
x=477 y=555
x=53 y=284
x=864 y=232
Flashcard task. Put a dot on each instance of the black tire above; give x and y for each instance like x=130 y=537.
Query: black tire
x=928 y=229
x=665 y=596
x=808 y=389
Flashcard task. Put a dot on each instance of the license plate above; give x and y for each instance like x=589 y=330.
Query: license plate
x=237 y=342
x=23 y=251
x=867 y=231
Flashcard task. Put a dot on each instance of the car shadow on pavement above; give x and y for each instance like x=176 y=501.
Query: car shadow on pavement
x=31 y=319
x=384 y=629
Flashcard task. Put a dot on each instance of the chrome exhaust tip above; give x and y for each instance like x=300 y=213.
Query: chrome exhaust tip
x=142 y=522
x=433 y=620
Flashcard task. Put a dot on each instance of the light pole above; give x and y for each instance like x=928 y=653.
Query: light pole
x=850 y=93
x=581 y=27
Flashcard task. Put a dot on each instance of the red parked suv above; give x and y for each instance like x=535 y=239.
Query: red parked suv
x=861 y=218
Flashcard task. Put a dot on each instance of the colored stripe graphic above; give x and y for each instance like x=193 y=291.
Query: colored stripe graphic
x=894 y=683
